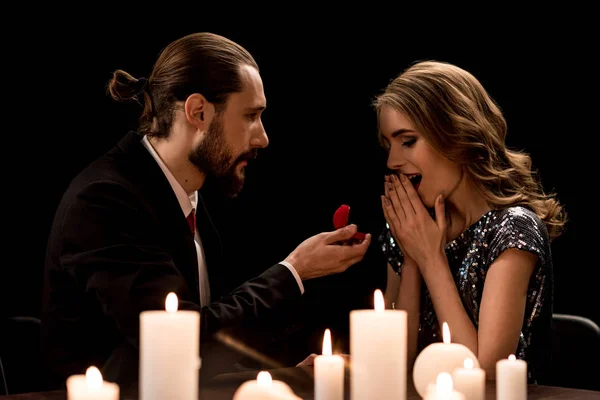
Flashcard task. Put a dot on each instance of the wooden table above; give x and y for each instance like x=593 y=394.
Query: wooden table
x=301 y=380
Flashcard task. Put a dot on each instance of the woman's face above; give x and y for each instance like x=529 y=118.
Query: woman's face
x=430 y=172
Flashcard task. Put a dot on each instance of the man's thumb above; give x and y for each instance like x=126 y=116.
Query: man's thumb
x=341 y=234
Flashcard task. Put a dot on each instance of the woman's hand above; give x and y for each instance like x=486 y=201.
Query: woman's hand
x=421 y=238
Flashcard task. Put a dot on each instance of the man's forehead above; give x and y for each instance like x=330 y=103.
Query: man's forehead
x=248 y=101
x=252 y=87
x=251 y=97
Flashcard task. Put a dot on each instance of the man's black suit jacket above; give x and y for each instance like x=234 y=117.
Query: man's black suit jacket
x=118 y=245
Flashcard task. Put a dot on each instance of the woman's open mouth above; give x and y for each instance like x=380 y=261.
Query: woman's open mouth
x=415 y=179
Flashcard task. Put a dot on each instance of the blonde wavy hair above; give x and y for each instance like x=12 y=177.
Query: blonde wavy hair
x=453 y=111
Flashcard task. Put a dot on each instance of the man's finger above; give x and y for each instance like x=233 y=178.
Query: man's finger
x=341 y=234
x=364 y=245
x=307 y=361
x=356 y=252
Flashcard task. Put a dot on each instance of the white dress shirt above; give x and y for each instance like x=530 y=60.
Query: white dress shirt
x=187 y=203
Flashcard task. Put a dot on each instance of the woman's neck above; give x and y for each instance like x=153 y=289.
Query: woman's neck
x=464 y=206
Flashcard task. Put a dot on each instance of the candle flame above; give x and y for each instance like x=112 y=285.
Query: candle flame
x=263 y=379
x=327 y=343
x=468 y=363
x=93 y=378
x=171 y=303
x=443 y=385
x=512 y=357
x=379 y=303
x=446 y=333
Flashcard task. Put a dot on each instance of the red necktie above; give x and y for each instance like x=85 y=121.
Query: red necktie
x=191 y=219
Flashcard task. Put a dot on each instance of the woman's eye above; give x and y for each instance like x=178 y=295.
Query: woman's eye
x=409 y=143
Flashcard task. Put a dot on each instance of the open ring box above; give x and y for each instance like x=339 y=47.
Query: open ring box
x=341 y=218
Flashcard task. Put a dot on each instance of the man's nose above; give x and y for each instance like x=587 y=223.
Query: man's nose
x=260 y=138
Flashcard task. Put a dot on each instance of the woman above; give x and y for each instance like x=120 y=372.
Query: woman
x=469 y=227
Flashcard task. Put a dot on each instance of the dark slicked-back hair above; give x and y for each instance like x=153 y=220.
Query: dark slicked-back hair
x=203 y=63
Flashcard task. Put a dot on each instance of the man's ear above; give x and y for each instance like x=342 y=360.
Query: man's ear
x=199 y=112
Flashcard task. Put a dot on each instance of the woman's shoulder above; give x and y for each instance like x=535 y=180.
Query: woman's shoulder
x=518 y=222
x=520 y=214
x=518 y=227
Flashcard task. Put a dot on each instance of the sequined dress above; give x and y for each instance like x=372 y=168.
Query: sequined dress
x=470 y=256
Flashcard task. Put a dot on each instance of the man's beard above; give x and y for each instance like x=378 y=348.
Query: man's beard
x=214 y=157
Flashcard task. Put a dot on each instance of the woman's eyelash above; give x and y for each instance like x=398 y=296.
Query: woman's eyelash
x=409 y=143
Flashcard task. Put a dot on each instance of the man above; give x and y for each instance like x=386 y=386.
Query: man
x=132 y=226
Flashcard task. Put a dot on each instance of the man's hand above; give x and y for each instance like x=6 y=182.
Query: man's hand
x=310 y=360
x=322 y=254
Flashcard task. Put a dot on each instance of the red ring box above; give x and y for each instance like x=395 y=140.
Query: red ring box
x=341 y=218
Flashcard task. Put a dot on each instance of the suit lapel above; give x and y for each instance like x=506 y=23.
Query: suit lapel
x=213 y=248
x=164 y=205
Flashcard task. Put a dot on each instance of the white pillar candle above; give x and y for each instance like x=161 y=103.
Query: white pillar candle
x=329 y=373
x=437 y=358
x=511 y=379
x=264 y=388
x=378 y=350
x=91 y=386
x=169 y=353
x=443 y=389
x=470 y=381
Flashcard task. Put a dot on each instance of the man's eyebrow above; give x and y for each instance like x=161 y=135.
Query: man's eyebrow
x=255 y=109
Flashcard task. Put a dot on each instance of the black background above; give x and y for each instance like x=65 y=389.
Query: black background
x=320 y=75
